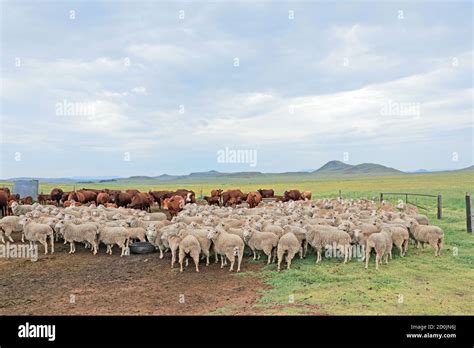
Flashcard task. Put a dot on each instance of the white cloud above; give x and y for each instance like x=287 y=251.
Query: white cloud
x=139 y=90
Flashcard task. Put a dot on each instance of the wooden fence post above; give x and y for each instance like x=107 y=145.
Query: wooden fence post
x=340 y=196
x=381 y=197
x=468 y=212
x=440 y=207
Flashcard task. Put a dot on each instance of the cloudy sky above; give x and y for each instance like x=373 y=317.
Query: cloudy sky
x=146 y=88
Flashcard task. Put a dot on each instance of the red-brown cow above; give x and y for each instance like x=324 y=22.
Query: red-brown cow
x=159 y=196
x=122 y=199
x=174 y=204
x=232 y=197
x=254 y=199
x=266 y=193
x=132 y=192
x=4 y=202
x=213 y=200
x=141 y=200
x=89 y=196
x=27 y=200
x=76 y=196
x=57 y=195
x=43 y=198
x=103 y=198
x=292 y=195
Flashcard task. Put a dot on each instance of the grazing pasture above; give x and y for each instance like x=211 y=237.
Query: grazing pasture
x=144 y=284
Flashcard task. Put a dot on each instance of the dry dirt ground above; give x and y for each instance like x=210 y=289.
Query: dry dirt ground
x=82 y=283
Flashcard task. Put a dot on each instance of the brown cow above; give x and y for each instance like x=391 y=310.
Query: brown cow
x=122 y=199
x=279 y=198
x=266 y=193
x=132 y=192
x=189 y=196
x=254 y=199
x=213 y=200
x=292 y=195
x=141 y=200
x=27 y=200
x=103 y=198
x=57 y=195
x=6 y=190
x=76 y=196
x=216 y=192
x=232 y=197
x=174 y=204
x=43 y=198
x=65 y=196
x=4 y=202
x=158 y=196
x=306 y=196
x=89 y=196
x=51 y=202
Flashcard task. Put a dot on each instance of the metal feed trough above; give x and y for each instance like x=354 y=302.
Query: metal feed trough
x=26 y=188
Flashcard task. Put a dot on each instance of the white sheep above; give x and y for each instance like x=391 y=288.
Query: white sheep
x=35 y=232
x=201 y=235
x=18 y=209
x=227 y=245
x=399 y=236
x=321 y=236
x=382 y=243
x=86 y=232
x=9 y=224
x=265 y=241
x=433 y=235
x=114 y=235
x=189 y=245
x=288 y=245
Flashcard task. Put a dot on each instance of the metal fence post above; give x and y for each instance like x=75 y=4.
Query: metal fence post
x=468 y=212
x=440 y=207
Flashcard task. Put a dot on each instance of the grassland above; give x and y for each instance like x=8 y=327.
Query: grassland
x=416 y=284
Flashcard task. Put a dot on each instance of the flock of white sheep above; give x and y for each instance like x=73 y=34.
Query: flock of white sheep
x=279 y=230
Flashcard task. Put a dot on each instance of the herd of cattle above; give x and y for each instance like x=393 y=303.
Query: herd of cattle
x=220 y=225
x=173 y=201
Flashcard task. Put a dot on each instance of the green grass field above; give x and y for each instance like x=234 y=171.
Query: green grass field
x=416 y=284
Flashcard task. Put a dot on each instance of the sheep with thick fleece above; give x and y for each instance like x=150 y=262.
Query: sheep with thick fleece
x=289 y=245
x=399 y=236
x=201 y=235
x=300 y=233
x=173 y=239
x=86 y=232
x=136 y=233
x=189 y=245
x=9 y=224
x=227 y=245
x=421 y=219
x=433 y=235
x=18 y=209
x=155 y=217
x=320 y=236
x=382 y=243
x=35 y=232
x=270 y=227
x=265 y=241
x=114 y=235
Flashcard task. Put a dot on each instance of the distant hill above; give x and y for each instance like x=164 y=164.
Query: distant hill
x=331 y=168
x=340 y=168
